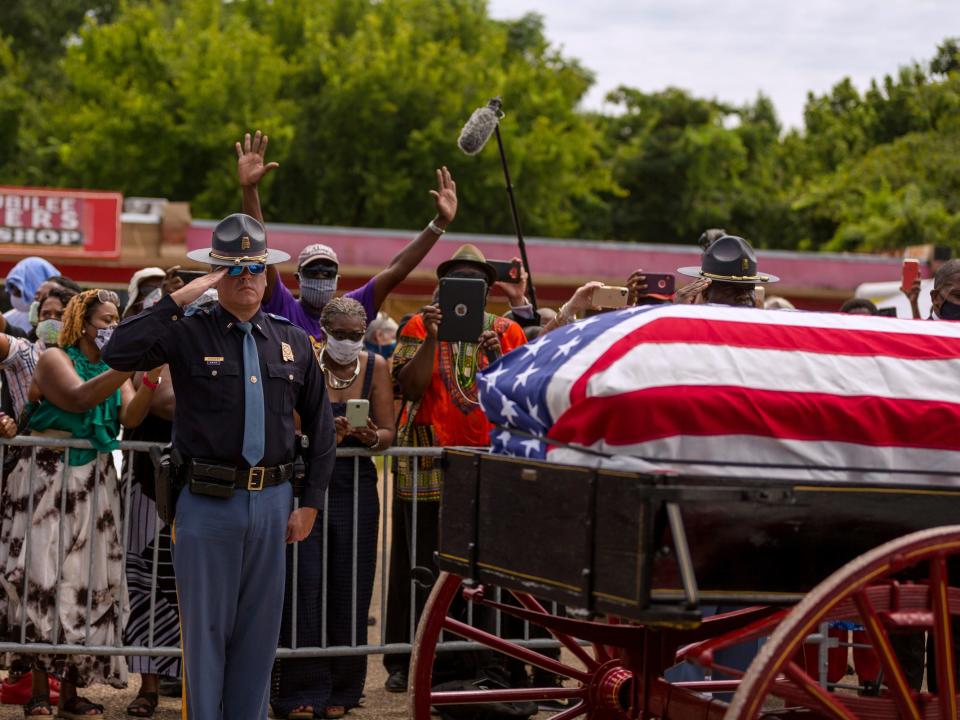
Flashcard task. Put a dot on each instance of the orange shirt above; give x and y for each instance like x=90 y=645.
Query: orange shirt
x=449 y=405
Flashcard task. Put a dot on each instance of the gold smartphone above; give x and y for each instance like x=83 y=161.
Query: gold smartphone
x=607 y=296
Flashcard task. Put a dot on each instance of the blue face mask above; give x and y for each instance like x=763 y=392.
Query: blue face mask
x=383 y=350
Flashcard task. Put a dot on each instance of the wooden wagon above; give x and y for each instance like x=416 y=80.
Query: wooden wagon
x=617 y=567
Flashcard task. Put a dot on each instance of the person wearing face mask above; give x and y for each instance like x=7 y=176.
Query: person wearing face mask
x=318 y=266
x=145 y=283
x=381 y=335
x=329 y=687
x=946 y=292
x=18 y=363
x=438 y=382
x=21 y=285
x=80 y=397
x=727 y=274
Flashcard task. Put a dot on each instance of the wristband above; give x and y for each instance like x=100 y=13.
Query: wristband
x=376 y=444
x=434 y=228
x=149 y=383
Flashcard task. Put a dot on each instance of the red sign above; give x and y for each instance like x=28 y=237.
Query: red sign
x=59 y=223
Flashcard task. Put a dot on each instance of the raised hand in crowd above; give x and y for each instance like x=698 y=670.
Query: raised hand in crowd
x=581 y=301
x=445 y=197
x=251 y=167
x=431 y=320
x=636 y=286
x=913 y=295
x=516 y=292
x=171 y=281
x=692 y=294
x=490 y=344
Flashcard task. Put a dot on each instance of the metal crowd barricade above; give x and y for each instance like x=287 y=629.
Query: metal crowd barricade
x=17 y=640
x=386 y=482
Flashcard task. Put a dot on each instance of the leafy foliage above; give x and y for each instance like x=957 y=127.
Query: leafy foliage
x=364 y=98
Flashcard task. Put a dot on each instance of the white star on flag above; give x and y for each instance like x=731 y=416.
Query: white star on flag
x=522 y=377
x=491 y=377
x=581 y=324
x=530 y=446
x=568 y=346
x=533 y=348
x=504 y=437
x=533 y=411
x=508 y=410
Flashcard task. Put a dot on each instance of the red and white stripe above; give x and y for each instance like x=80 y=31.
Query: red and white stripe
x=728 y=385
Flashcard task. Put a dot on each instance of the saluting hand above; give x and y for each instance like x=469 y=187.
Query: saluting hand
x=300 y=524
x=195 y=288
x=691 y=294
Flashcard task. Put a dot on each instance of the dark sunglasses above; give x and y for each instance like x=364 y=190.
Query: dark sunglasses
x=255 y=269
x=316 y=272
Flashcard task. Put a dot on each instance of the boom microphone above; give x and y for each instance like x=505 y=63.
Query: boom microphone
x=479 y=127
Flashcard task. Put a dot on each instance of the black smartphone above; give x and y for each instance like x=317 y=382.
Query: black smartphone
x=462 y=302
x=887 y=312
x=190 y=275
x=507 y=270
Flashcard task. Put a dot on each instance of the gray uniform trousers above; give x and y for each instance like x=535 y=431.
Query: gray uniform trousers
x=229 y=562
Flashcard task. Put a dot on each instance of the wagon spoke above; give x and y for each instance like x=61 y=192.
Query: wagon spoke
x=893 y=672
x=943 y=638
x=515 y=651
x=531 y=603
x=468 y=697
x=829 y=703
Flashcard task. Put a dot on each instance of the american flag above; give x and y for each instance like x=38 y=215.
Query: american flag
x=729 y=391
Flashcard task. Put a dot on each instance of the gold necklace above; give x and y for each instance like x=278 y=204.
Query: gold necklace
x=335 y=382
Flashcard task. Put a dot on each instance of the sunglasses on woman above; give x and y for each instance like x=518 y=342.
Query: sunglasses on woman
x=255 y=269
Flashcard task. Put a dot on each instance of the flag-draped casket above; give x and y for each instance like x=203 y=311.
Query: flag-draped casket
x=715 y=390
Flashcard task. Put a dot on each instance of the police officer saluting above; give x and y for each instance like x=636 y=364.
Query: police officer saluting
x=238 y=375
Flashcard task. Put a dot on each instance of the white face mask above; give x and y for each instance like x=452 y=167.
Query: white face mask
x=343 y=352
x=103 y=336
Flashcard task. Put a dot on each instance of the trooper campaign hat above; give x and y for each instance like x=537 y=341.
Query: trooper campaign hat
x=729 y=259
x=238 y=239
x=471 y=255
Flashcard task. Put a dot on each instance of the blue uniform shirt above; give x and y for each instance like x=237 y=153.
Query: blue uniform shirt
x=205 y=355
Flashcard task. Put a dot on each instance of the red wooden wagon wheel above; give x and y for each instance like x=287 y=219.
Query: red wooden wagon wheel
x=869 y=591
x=602 y=664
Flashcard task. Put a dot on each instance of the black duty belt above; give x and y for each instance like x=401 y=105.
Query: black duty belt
x=253 y=479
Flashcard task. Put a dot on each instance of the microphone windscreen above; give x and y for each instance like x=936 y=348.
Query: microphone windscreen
x=478 y=130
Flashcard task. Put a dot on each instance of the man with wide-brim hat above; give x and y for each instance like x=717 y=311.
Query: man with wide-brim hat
x=238 y=374
x=439 y=382
x=727 y=275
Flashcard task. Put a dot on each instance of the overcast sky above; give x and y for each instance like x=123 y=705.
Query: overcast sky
x=731 y=49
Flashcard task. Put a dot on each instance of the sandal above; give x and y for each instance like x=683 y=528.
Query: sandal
x=301 y=712
x=78 y=708
x=37 y=703
x=335 y=711
x=144 y=705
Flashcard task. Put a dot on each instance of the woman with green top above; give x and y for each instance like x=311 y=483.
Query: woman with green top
x=78 y=397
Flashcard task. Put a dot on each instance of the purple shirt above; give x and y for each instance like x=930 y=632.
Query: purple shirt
x=283 y=303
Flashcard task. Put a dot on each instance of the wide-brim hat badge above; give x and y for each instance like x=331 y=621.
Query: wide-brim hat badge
x=729 y=259
x=238 y=239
